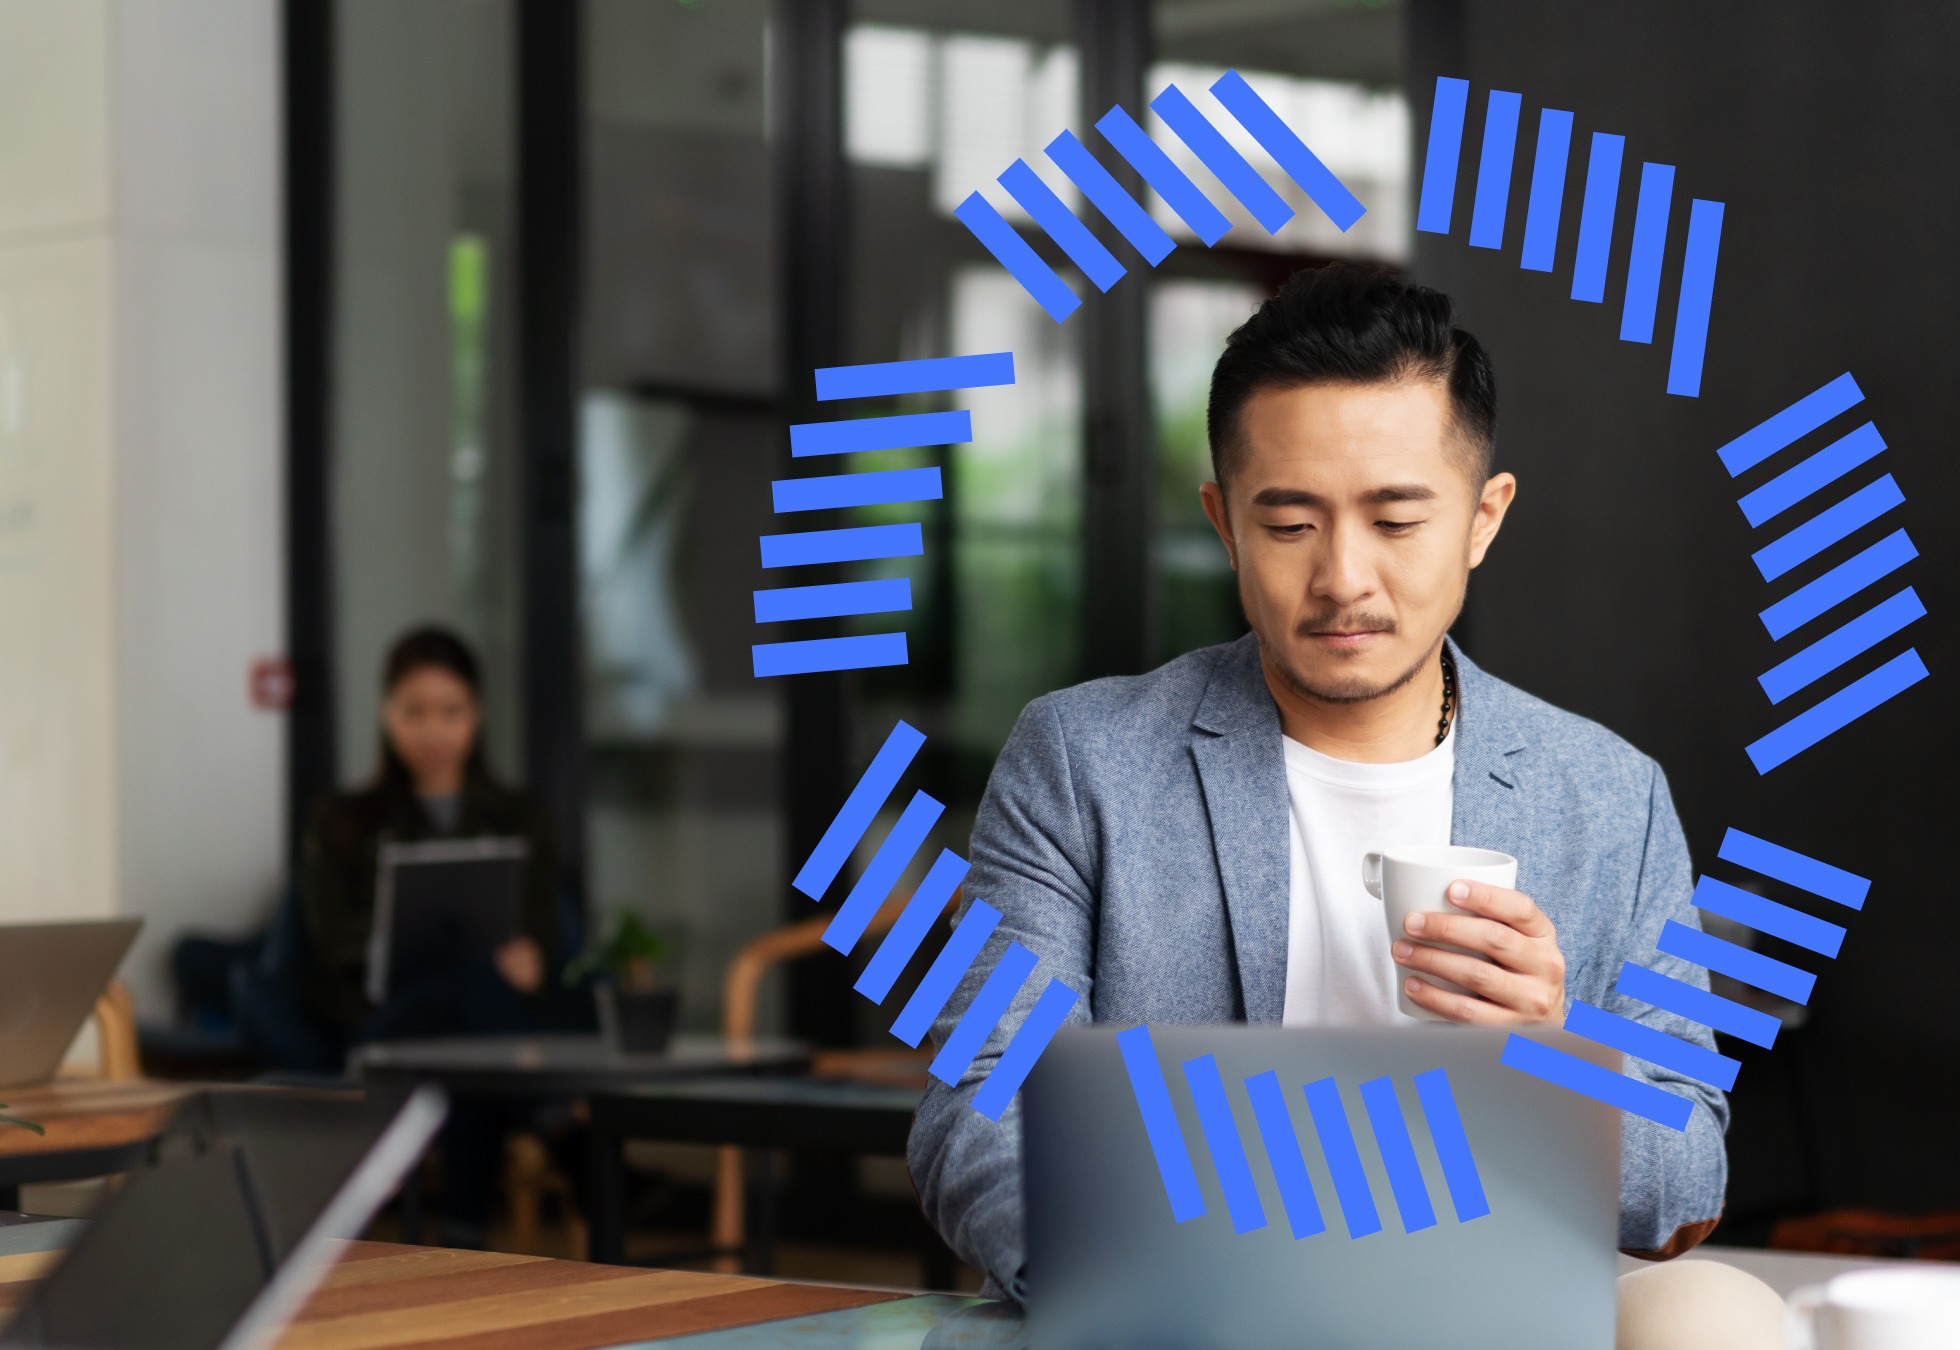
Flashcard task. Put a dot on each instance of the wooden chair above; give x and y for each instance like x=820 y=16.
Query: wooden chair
x=115 y=1034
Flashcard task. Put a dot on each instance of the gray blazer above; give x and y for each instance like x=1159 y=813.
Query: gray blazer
x=1134 y=837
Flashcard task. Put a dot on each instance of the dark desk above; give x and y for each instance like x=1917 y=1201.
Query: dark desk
x=93 y=1127
x=563 y=1066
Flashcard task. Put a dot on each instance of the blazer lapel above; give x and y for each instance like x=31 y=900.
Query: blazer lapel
x=1236 y=746
x=1491 y=799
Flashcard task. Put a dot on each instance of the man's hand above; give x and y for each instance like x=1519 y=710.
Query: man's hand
x=521 y=964
x=1527 y=981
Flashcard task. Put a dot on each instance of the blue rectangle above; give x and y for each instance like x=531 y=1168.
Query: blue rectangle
x=1145 y=156
x=1801 y=418
x=885 y=595
x=862 y=651
x=1330 y=1123
x=948 y=870
x=1107 y=195
x=1452 y=1143
x=943 y=976
x=1838 y=711
x=1602 y=1085
x=1153 y=1097
x=1832 y=650
x=1839 y=584
x=907 y=835
x=1222 y=1138
x=1794 y=869
x=1655 y=1046
x=1737 y=962
x=901 y=432
x=1697 y=296
x=1649 y=242
x=1226 y=164
x=859 y=543
x=1014 y=253
x=931 y=375
x=1439 y=159
x=1547 y=190
x=1288 y=150
x=1602 y=200
x=1398 y=1154
x=982 y=1015
x=841 y=837
x=1283 y=1152
x=1698 y=1005
x=1820 y=470
x=1048 y=211
x=1825 y=528
x=839 y=490
x=1494 y=170
x=1768 y=916
x=1018 y=1059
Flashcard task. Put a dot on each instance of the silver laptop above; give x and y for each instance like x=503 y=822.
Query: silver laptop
x=1439 y=1198
x=51 y=974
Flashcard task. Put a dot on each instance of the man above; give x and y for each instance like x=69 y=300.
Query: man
x=1185 y=846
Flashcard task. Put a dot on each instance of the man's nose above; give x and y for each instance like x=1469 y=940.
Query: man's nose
x=1343 y=573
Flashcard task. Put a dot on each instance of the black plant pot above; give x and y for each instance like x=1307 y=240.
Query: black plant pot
x=637 y=1021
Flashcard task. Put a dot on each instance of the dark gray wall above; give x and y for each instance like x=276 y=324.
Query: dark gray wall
x=1622 y=586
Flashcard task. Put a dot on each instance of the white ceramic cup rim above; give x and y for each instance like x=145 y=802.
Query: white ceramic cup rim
x=1894 y=1290
x=1446 y=855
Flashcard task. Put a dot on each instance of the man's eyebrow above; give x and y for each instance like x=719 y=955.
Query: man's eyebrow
x=1394 y=492
x=1278 y=496
x=1401 y=492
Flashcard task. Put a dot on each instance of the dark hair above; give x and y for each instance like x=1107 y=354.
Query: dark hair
x=420 y=649
x=1353 y=323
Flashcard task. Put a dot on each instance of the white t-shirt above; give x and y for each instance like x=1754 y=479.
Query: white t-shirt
x=1338 y=970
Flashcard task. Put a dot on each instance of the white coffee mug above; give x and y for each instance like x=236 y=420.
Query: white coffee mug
x=1908 y=1308
x=1417 y=878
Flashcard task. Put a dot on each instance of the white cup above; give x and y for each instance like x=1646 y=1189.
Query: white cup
x=1903 y=1309
x=1417 y=879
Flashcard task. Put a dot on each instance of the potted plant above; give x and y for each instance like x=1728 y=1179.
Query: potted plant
x=636 y=1010
x=16 y=1120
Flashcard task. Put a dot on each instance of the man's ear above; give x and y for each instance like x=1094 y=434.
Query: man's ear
x=1213 y=497
x=1489 y=519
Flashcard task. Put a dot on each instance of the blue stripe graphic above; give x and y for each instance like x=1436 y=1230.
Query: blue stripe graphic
x=1825 y=467
x=1839 y=584
x=1048 y=211
x=1192 y=206
x=1587 y=1079
x=1547 y=190
x=934 y=375
x=884 y=433
x=1398 y=1154
x=1330 y=1122
x=1768 y=916
x=982 y=1015
x=1014 y=253
x=1832 y=650
x=1794 y=869
x=1697 y=295
x=1649 y=241
x=1283 y=1152
x=886 y=595
x=1226 y=163
x=914 y=922
x=1439 y=159
x=1153 y=1098
x=1801 y=418
x=1822 y=530
x=1222 y=1138
x=827 y=859
x=837 y=490
x=1494 y=170
x=1656 y=1047
x=1018 y=1059
x=900 y=846
x=1288 y=150
x=1697 y=1005
x=943 y=976
x=1108 y=196
x=1596 y=217
x=863 y=651
x=1726 y=958
x=859 y=543
x=1838 y=711
x=1452 y=1145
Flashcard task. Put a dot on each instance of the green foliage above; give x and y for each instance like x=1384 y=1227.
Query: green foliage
x=631 y=954
x=24 y=1124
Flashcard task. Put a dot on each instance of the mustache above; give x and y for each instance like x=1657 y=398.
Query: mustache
x=1333 y=621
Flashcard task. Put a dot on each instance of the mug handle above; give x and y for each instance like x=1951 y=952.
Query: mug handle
x=1371 y=873
x=1800 y=1317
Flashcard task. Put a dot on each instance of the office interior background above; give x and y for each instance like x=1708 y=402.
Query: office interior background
x=322 y=318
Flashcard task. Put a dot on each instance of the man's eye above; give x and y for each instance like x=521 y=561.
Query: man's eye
x=1397 y=526
x=1296 y=528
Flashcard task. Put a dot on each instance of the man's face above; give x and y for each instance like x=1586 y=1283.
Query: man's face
x=1353 y=525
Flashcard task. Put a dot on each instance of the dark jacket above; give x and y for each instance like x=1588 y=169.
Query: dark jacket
x=337 y=877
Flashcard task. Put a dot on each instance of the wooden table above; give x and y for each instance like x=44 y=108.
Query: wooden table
x=563 y=1066
x=93 y=1127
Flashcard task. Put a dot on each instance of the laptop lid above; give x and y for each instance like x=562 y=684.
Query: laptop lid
x=216 y=1244
x=51 y=974
x=440 y=899
x=1397 y=1254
